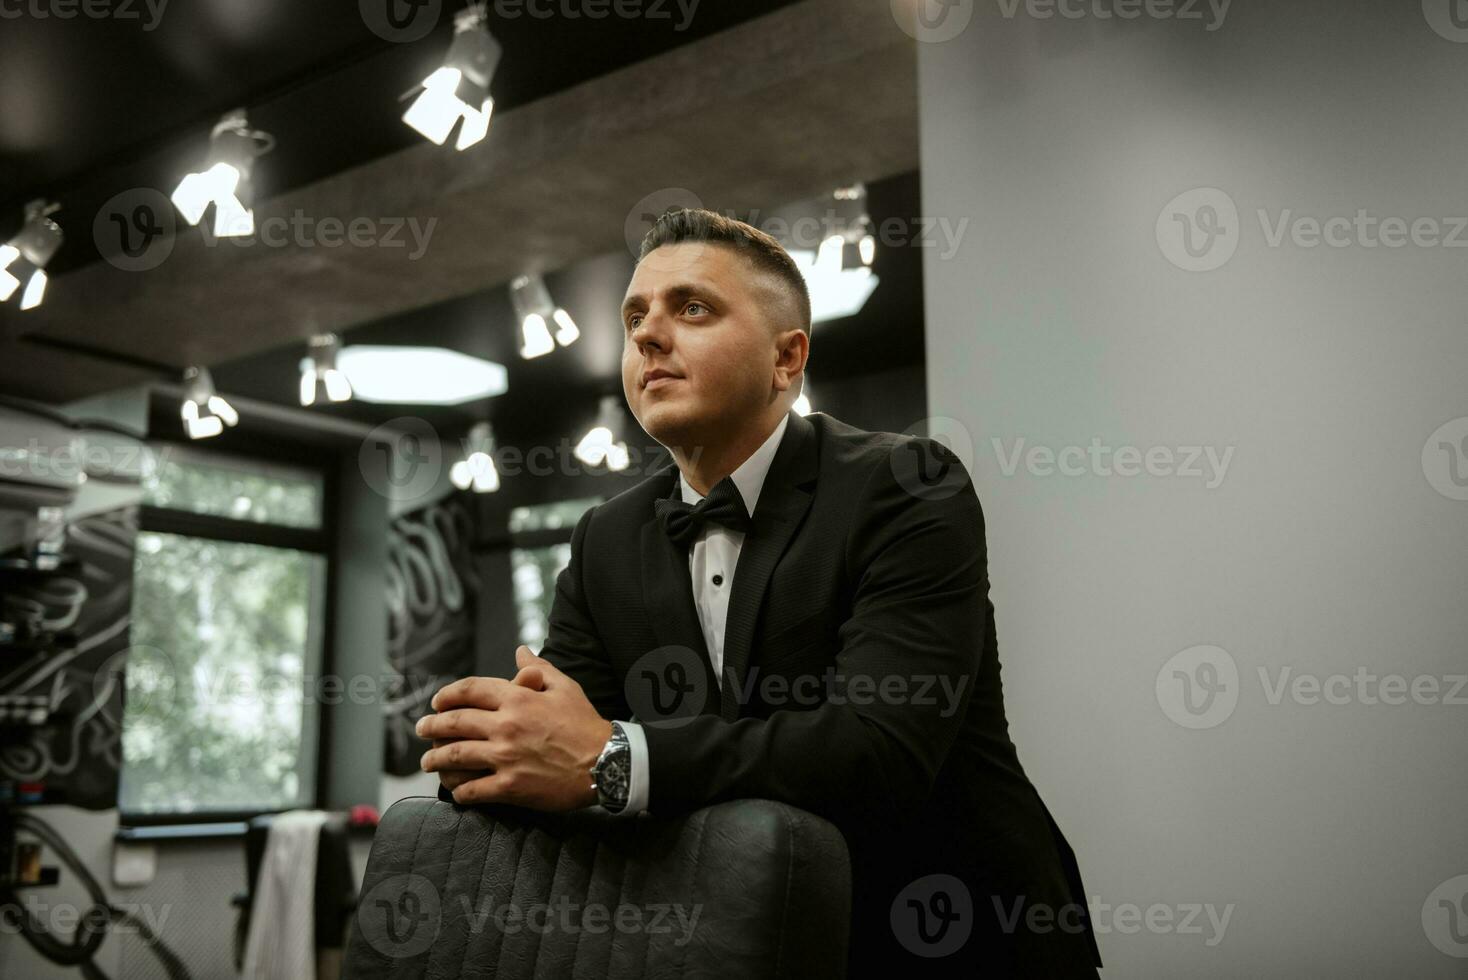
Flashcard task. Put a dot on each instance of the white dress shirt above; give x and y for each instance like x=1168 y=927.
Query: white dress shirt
x=711 y=564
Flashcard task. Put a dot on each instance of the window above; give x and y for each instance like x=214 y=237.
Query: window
x=541 y=536
x=242 y=490
x=228 y=614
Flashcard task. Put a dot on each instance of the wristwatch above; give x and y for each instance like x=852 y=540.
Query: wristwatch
x=611 y=777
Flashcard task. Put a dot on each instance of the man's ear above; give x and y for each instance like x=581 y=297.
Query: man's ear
x=793 y=349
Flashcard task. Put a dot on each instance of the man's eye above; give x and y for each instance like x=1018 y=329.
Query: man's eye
x=690 y=306
x=633 y=321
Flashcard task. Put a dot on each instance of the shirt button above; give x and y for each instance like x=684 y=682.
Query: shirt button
x=718 y=580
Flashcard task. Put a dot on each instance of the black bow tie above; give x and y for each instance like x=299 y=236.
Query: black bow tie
x=684 y=521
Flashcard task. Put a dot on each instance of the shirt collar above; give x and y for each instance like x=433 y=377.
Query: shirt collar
x=750 y=476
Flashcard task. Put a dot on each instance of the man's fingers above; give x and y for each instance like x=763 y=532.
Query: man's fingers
x=525 y=657
x=456 y=723
x=546 y=675
x=471 y=692
x=452 y=779
x=531 y=677
x=467 y=753
x=497 y=787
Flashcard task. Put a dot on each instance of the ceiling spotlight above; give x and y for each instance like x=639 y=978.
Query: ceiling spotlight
x=601 y=445
x=858 y=244
x=854 y=225
x=225 y=182
x=866 y=246
x=204 y=412
x=319 y=370
x=24 y=257
x=459 y=89
x=533 y=307
x=836 y=290
x=838 y=271
x=477 y=470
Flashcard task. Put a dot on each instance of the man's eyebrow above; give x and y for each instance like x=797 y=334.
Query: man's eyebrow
x=680 y=292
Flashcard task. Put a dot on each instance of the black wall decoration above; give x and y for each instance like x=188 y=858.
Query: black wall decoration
x=78 y=755
x=431 y=594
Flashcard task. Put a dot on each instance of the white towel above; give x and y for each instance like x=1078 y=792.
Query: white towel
x=282 y=940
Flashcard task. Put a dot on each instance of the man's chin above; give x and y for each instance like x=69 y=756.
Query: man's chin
x=674 y=426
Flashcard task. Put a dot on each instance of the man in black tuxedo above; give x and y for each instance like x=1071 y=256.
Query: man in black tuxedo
x=795 y=610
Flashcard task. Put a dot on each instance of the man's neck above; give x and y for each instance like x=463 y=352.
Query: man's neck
x=704 y=466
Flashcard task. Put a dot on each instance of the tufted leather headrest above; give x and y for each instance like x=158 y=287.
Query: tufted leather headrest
x=749 y=888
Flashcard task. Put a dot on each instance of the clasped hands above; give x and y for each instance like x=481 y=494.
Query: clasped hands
x=530 y=741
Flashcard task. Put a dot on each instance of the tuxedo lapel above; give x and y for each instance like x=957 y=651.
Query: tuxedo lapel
x=667 y=592
x=783 y=501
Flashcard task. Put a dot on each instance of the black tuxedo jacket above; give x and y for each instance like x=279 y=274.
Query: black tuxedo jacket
x=861 y=682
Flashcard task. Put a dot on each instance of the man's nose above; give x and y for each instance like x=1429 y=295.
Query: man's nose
x=650 y=332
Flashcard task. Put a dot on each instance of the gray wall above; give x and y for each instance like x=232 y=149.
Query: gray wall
x=1327 y=547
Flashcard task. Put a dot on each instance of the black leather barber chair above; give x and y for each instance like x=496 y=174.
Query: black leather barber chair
x=749 y=888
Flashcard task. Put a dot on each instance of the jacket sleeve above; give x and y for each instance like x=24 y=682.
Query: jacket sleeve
x=913 y=642
x=572 y=644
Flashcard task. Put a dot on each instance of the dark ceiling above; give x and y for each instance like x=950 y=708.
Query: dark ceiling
x=90 y=107
x=756 y=103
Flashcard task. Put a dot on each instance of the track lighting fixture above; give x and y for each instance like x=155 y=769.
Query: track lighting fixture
x=601 y=445
x=319 y=371
x=205 y=413
x=477 y=470
x=225 y=181
x=459 y=89
x=533 y=308
x=23 y=259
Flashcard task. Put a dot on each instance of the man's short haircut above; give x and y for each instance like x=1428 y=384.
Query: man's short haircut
x=675 y=227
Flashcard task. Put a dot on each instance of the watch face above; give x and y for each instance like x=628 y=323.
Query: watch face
x=613 y=778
